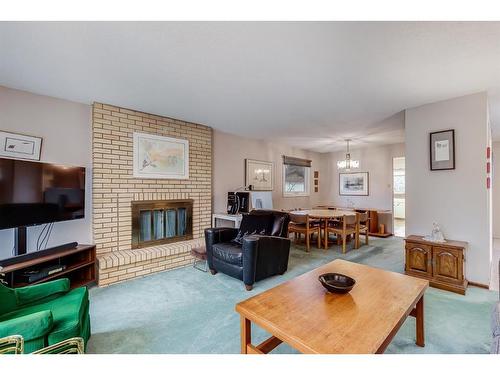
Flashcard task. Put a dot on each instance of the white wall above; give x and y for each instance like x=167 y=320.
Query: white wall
x=457 y=199
x=66 y=131
x=377 y=161
x=230 y=152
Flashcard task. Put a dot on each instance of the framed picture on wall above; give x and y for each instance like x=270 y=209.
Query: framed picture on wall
x=353 y=183
x=442 y=150
x=160 y=157
x=259 y=174
x=20 y=146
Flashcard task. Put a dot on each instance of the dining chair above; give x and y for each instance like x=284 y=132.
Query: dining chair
x=333 y=221
x=302 y=224
x=346 y=226
x=364 y=226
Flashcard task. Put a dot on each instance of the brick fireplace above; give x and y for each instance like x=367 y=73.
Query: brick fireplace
x=116 y=194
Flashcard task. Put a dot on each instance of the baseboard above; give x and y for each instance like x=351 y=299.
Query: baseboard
x=380 y=235
x=479 y=285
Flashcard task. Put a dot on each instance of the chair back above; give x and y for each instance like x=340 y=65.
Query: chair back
x=350 y=219
x=299 y=218
x=363 y=217
x=280 y=221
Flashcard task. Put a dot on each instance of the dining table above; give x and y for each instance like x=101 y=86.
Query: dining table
x=380 y=218
x=325 y=215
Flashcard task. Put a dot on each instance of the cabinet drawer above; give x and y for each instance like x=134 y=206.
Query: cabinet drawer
x=418 y=259
x=447 y=264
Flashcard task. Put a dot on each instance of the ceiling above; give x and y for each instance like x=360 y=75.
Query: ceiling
x=309 y=84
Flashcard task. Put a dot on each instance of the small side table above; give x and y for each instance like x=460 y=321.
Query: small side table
x=442 y=263
x=199 y=257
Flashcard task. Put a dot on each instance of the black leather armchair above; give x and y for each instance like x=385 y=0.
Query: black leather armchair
x=257 y=257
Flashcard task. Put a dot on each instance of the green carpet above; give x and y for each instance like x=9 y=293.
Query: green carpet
x=188 y=311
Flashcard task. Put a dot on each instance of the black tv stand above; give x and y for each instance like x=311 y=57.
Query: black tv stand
x=20 y=240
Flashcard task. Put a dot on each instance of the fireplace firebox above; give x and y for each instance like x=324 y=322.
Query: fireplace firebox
x=160 y=222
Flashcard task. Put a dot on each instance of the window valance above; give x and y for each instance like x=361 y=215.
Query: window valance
x=290 y=160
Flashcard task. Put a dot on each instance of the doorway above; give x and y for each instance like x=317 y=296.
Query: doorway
x=398 y=194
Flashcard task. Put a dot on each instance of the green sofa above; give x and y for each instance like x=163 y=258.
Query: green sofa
x=44 y=314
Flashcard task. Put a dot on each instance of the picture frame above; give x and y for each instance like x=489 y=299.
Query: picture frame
x=20 y=146
x=354 y=184
x=159 y=157
x=259 y=174
x=442 y=150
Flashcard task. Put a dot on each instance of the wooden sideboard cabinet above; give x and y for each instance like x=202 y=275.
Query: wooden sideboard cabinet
x=440 y=263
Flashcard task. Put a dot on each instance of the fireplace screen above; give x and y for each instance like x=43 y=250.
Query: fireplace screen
x=158 y=222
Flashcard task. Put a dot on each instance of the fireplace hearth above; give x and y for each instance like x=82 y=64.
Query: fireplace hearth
x=161 y=221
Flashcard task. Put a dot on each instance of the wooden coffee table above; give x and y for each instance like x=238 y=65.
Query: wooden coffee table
x=302 y=314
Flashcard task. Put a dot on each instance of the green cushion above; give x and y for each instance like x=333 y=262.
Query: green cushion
x=44 y=314
x=13 y=299
x=34 y=293
x=31 y=325
x=68 y=312
x=36 y=344
x=8 y=300
x=74 y=322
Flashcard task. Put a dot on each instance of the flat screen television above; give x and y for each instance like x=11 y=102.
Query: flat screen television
x=33 y=193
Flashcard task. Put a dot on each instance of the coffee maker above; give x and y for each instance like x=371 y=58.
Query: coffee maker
x=237 y=202
x=246 y=201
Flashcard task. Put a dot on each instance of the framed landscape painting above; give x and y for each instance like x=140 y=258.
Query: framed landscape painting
x=160 y=157
x=353 y=183
x=259 y=174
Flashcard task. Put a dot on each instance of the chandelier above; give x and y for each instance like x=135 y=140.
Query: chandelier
x=347 y=164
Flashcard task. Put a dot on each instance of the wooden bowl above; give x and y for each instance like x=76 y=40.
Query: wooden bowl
x=336 y=282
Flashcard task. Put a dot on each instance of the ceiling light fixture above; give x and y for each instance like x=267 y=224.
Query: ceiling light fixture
x=347 y=164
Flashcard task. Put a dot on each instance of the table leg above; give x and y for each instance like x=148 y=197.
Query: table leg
x=419 y=317
x=246 y=334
